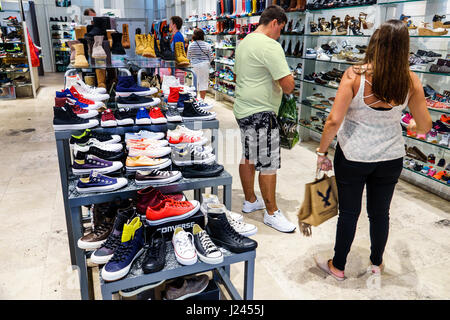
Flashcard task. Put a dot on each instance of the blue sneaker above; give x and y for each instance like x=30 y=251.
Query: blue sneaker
x=126 y=86
x=68 y=94
x=130 y=248
x=182 y=97
x=143 y=117
x=97 y=182
x=311 y=53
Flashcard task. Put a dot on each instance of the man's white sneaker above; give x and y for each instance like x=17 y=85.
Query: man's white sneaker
x=250 y=207
x=278 y=221
x=244 y=229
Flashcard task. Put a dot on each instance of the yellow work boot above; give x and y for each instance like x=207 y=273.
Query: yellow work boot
x=149 y=50
x=80 y=59
x=139 y=44
x=180 y=55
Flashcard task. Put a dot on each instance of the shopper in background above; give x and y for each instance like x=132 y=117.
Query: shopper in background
x=175 y=25
x=200 y=55
x=90 y=12
x=367 y=112
x=262 y=75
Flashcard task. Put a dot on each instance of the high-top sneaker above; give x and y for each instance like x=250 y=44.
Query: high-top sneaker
x=74 y=95
x=108 y=119
x=76 y=80
x=66 y=119
x=88 y=92
x=106 y=251
x=182 y=97
x=223 y=234
x=174 y=95
x=127 y=86
x=82 y=113
x=150 y=197
x=192 y=111
x=173 y=115
x=103 y=221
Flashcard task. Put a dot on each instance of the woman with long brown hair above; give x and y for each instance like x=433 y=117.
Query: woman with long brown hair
x=366 y=119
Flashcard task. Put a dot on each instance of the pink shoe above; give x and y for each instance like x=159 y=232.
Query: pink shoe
x=324 y=266
x=432 y=172
x=405 y=119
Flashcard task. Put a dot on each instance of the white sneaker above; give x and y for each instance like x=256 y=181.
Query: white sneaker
x=146 y=143
x=278 y=221
x=181 y=129
x=250 y=207
x=244 y=229
x=143 y=134
x=151 y=151
x=92 y=142
x=70 y=80
x=445 y=140
x=88 y=92
x=183 y=245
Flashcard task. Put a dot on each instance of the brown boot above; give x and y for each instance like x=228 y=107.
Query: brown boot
x=292 y=5
x=103 y=225
x=180 y=55
x=125 y=37
x=72 y=50
x=108 y=35
x=149 y=51
x=89 y=80
x=80 y=59
x=80 y=31
x=101 y=77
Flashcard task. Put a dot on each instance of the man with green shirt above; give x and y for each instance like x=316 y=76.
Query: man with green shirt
x=262 y=75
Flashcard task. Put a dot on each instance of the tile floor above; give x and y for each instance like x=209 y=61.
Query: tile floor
x=34 y=246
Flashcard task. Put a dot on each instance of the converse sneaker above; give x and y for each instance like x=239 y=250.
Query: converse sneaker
x=92 y=163
x=203 y=105
x=143 y=117
x=191 y=155
x=126 y=86
x=150 y=151
x=65 y=119
x=76 y=108
x=185 y=138
x=183 y=129
x=88 y=92
x=206 y=249
x=212 y=198
x=183 y=246
x=124 y=116
x=146 y=163
x=76 y=79
x=244 y=229
x=279 y=222
x=250 y=207
x=173 y=115
x=101 y=137
x=143 y=134
x=135 y=101
x=192 y=111
x=80 y=97
x=157 y=177
x=108 y=119
x=97 y=182
x=157 y=116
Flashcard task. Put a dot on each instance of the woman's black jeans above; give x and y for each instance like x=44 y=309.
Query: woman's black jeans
x=351 y=177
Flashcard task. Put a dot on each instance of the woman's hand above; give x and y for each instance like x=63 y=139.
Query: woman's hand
x=324 y=163
x=412 y=125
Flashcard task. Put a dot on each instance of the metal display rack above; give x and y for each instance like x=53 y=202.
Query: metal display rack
x=73 y=201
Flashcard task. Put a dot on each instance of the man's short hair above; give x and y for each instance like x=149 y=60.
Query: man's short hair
x=176 y=20
x=88 y=10
x=273 y=12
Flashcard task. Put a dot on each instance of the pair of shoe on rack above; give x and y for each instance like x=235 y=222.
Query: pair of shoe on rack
x=297 y=50
x=326 y=4
x=290 y=28
x=191 y=108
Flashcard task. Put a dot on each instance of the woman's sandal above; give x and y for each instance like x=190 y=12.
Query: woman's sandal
x=325 y=266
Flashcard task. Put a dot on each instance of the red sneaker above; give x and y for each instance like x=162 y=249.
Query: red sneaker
x=171 y=210
x=79 y=97
x=445 y=119
x=186 y=138
x=157 y=116
x=150 y=197
x=174 y=95
x=108 y=119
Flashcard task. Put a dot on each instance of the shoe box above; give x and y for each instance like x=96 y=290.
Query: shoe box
x=212 y=292
x=168 y=228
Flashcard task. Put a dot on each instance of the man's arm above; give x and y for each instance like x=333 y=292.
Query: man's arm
x=287 y=84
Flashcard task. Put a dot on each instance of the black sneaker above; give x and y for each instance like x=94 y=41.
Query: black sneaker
x=65 y=119
x=155 y=255
x=102 y=154
x=125 y=116
x=88 y=134
x=202 y=170
x=173 y=115
x=192 y=111
x=135 y=101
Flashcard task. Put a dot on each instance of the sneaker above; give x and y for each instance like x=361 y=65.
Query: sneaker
x=174 y=95
x=146 y=163
x=202 y=170
x=136 y=290
x=130 y=248
x=93 y=142
x=157 y=116
x=106 y=251
x=445 y=140
x=155 y=254
x=183 y=246
x=244 y=229
x=310 y=53
x=102 y=227
x=183 y=96
x=126 y=86
x=170 y=210
x=143 y=134
x=76 y=108
x=92 y=163
x=76 y=79
x=101 y=137
x=185 y=138
x=136 y=101
x=206 y=249
x=146 y=143
x=183 y=288
x=150 y=151
x=150 y=197
x=108 y=119
x=405 y=119
x=192 y=111
x=143 y=117
x=212 y=198
x=253 y=206
x=80 y=97
x=96 y=182
x=279 y=222
x=182 y=129
x=124 y=116
x=190 y=155
x=157 y=177
x=88 y=92
x=203 y=105
x=173 y=115
x=66 y=94
x=64 y=118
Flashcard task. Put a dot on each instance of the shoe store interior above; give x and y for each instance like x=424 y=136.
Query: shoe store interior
x=123 y=173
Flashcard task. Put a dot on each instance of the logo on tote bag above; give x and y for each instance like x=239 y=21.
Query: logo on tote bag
x=325 y=198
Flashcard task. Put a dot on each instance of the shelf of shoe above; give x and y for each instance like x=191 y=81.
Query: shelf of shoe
x=80 y=199
x=226 y=63
x=224 y=93
x=338 y=8
x=312 y=129
x=338 y=35
x=172 y=269
x=429 y=143
x=443 y=111
x=387 y=3
x=226 y=81
x=312 y=107
x=330 y=61
x=427 y=176
x=321 y=85
x=292 y=34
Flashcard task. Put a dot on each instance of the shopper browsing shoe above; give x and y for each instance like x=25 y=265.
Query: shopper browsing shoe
x=367 y=112
x=200 y=55
x=177 y=45
x=262 y=75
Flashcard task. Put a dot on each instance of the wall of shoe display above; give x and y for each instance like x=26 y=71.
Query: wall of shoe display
x=336 y=36
x=62 y=31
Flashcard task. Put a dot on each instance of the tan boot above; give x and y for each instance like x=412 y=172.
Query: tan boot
x=149 y=51
x=108 y=35
x=80 y=31
x=72 y=50
x=101 y=78
x=125 y=37
x=89 y=80
x=97 y=50
x=180 y=55
x=80 y=59
x=139 y=44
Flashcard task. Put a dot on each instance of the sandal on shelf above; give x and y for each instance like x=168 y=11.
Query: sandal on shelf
x=325 y=267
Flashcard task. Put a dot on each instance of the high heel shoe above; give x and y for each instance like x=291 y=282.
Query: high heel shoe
x=363 y=21
x=313 y=28
x=425 y=31
x=355 y=27
x=347 y=20
x=324 y=27
x=437 y=22
x=340 y=29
